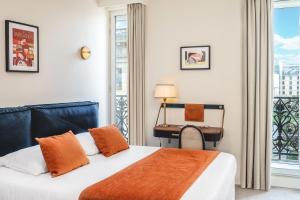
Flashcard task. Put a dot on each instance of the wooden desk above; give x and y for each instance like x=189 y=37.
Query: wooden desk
x=211 y=134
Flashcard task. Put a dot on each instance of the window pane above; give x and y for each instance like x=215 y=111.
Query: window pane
x=286 y=85
x=121 y=73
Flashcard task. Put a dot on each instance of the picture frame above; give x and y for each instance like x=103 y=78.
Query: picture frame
x=195 y=57
x=22 y=47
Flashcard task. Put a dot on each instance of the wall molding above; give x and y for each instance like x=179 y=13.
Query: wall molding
x=112 y=3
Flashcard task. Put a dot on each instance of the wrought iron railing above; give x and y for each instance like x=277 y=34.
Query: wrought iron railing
x=121 y=114
x=285 y=129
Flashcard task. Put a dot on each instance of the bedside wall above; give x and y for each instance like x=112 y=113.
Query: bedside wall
x=65 y=26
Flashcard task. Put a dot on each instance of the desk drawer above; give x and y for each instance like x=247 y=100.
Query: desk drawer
x=165 y=134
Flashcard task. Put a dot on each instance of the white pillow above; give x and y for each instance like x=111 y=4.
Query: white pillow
x=88 y=144
x=29 y=160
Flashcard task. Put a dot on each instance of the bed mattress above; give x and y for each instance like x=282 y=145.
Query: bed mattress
x=215 y=183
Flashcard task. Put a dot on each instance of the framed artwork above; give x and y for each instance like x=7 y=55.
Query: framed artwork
x=22 y=47
x=195 y=58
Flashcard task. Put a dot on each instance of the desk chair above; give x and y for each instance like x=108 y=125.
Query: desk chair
x=191 y=137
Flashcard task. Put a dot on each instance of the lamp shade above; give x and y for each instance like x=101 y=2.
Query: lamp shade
x=165 y=91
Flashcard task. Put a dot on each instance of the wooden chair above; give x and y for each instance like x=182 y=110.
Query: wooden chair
x=191 y=137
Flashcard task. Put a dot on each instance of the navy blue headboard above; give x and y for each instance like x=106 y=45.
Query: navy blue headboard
x=15 y=125
x=20 y=126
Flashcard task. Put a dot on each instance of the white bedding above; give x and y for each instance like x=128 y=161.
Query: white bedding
x=215 y=183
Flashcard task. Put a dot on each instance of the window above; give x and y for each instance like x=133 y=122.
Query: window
x=119 y=78
x=119 y=71
x=285 y=131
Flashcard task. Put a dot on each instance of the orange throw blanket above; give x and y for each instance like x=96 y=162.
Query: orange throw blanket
x=194 y=112
x=164 y=175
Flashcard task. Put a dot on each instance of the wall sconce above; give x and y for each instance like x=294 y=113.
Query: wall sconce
x=85 y=53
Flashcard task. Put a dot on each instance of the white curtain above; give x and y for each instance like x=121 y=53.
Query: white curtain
x=257 y=88
x=136 y=66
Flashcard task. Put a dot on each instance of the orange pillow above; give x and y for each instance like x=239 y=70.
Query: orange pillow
x=109 y=140
x=62 y=153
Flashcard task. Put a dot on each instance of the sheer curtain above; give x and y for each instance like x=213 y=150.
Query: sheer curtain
x=136 y=68
x=257 y=110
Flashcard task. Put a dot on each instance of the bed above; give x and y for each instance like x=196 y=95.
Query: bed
x=217 y=182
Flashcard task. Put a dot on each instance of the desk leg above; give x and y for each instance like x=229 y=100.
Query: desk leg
x=215 y=143
x=159 y=142
x=169 y=140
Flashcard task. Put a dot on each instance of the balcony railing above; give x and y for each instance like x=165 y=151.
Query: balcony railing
x=121 y=114
x=286 y=129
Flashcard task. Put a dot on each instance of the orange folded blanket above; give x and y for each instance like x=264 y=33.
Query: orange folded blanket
x=194 y=112
x=164 y=175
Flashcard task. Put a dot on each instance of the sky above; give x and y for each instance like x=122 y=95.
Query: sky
x=286 y=35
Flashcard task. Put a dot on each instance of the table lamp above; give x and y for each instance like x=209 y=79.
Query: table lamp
x=165 y=91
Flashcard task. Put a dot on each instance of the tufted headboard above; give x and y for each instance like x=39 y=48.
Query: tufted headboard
x=21 y=125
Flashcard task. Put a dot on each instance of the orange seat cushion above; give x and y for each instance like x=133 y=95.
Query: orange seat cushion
x=109 y=140
x=62 y=153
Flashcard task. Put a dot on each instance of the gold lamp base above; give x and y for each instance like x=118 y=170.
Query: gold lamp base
x=165 y=113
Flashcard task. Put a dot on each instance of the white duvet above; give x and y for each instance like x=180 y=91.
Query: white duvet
x=215 y=183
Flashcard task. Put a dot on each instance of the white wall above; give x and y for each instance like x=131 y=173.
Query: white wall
x=175 y=23
x=114 y=3
x=65 y=26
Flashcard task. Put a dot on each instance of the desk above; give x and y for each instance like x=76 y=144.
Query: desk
x=172 y=131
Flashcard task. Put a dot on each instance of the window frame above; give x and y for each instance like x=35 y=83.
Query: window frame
x=112 y=57
x=286 y=3
x=279 y=169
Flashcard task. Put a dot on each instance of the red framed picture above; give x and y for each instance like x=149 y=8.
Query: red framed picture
x=22 y=47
